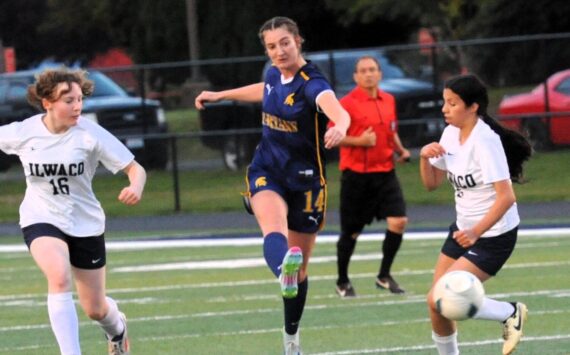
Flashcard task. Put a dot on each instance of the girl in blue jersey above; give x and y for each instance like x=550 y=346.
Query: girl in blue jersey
x=286 y=179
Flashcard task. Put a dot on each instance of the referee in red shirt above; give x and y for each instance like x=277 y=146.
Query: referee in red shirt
x=369 y=186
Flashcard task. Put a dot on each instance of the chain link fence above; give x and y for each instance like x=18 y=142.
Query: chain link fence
x=222 y=138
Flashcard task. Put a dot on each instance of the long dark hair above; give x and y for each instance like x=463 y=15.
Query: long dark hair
x=517 y=148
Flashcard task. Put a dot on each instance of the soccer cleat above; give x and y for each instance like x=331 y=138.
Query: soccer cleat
x=291 y=344
x=388 y=283
x=119 y=345
x=513 y=326
x=289 y=270
x=345 y=290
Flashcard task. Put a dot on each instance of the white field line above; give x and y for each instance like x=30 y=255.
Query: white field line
x=344 y=352
x=250 y=283
x=352 y=304
x=260 y=262
x=400 y=349
x=247 y=262
x=42 y=302
x=229 y=264
x=323 y=238
x=317 y=328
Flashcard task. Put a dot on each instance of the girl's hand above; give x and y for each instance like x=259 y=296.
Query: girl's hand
x=404 y=156
x=130 y=196
x=466 y=238
x=206 y=96
x=368 y=137
x=432 y=150
x=333 y=136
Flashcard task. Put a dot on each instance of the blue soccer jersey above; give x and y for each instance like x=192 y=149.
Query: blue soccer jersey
x=292 y=144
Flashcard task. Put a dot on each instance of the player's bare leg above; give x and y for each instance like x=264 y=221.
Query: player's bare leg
x=91 y=290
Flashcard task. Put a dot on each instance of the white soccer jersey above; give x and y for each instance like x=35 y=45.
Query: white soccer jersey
x=59 y=169
x=472 y=168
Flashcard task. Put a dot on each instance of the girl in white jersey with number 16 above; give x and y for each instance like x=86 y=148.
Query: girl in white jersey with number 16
x=480 y=158
x=62 y=221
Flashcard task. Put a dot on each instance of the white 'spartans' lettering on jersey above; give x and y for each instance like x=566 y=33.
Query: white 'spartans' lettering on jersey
x=59 y=169
x=472 y=168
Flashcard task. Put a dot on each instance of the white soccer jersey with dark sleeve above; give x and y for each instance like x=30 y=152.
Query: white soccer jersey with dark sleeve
x=472 y=168
x=59 y=169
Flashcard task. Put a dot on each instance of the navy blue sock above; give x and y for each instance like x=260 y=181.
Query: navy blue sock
x=274 y=249
x=294 y=308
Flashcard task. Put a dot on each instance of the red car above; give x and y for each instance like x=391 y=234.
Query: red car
x=543 y=115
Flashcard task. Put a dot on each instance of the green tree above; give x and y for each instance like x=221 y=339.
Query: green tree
x=229 y=29
x=155 y=31
x=467 y=19
x=505 y=64
x=151 y=31
x=449 y=16
x=447 y=19
x=77 y=31
x=18 y=29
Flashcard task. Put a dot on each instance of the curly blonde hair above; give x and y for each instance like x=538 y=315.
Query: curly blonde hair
x=47 y=81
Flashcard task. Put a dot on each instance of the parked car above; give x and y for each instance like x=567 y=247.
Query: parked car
x=110 y=106
x=418 y=106
x=542 y=114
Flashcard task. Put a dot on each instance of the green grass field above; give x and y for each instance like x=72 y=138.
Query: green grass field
x=234 y=307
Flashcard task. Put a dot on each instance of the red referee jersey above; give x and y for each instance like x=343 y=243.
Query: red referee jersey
x=379 y=113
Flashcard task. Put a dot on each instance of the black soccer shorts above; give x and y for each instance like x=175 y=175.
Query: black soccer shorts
x=488 y=254
x=84 y=252
x=366 y=196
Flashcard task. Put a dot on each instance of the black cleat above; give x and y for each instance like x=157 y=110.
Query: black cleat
x=345 y=290
x=388 y=283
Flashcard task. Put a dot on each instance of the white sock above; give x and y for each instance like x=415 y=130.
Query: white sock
x=494 y=310
x=112 y=323
x=64 y=322
x=446 y=345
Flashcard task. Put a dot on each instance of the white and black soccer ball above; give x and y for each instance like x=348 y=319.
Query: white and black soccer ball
x=458 y=295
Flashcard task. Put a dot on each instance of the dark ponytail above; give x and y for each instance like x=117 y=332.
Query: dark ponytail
x=517 y=148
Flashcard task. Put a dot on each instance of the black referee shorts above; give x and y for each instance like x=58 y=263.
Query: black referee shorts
x=84 y=252
x=488 y=254
x=365 y=196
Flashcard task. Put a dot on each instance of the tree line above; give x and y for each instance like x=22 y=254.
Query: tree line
x=157 y=31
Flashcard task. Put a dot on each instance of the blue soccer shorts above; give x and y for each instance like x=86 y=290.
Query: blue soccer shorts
x=306 y=204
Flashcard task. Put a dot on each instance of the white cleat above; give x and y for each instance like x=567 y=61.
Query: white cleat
x=513 y=328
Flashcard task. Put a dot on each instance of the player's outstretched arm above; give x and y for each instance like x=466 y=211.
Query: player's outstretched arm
x=132 y=194
x=336 y=113
x=248 y=93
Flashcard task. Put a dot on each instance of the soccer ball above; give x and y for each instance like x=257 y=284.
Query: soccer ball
x=458 y=295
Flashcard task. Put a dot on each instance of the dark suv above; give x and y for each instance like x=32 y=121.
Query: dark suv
x=110 y=106
x=418 y=105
